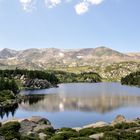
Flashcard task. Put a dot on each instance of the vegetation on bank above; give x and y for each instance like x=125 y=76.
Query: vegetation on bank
x=30 y=74
x=8 y=84
x=8 y=92
x=53 y=77
x=6 y=95
x=132 y=79
x=67 y=77
x=108 y=71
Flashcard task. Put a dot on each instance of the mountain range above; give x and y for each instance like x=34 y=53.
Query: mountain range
x=57 y=58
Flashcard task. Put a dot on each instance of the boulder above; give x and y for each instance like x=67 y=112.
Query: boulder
x=39 y=120
x=77 y=128
x=137 y=131
x=2 y=138
x=119 y=119
x=32 y=134
x=42 y=136
x=41 y=126
x=97 y=124
x=26 y=126
x=96 y=136
x=36 y=83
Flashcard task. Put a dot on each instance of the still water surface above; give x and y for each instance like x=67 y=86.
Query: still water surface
x=78 y=104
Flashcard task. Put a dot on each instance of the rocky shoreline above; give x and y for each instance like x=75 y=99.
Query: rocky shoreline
x=38 y=128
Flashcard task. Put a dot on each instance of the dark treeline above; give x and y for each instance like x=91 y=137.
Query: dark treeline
x=53 y=77
x=65 y=77
x=132 y=79
x=30 y=74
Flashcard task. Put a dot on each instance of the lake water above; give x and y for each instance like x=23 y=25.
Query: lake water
x=79 y=104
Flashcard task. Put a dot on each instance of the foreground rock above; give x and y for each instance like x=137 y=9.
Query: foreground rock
x=97 y=136
x=119 y=119
x=38 y=128
x=97 y=124
x=31 y=127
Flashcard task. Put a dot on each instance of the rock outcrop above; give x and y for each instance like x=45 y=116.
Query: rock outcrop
x=32 y=125
x=36 y=84
x=119 y=119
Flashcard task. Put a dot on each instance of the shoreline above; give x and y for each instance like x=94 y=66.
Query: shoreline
x=39 y=128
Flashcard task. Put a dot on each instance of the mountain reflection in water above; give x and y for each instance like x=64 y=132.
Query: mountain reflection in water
x=57 y=102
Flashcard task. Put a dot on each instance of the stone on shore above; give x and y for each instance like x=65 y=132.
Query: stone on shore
x=77 y=128
x=97 y=124
x=42 y=136
x=2 y=138
x=119 y=119
x=26 y=126
x=39 y=120
x=96 y=136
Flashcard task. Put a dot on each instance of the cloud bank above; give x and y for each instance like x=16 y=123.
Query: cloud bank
x=80 y=8
x=84 y=6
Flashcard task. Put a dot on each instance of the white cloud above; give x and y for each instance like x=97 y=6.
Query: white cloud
x=52 y=3
x=81 y=7
x=95 y=2
x=28 y=5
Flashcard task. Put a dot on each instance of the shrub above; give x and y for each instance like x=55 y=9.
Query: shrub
x=125 y=125
x=6 y=95
x=48 y=131
x=87 y=131
x=81 y=138
x=57 y=137
x=90 y=131
x=111 y=136
x=64 y=135
x=10 y=130
x=66 y=129
x=28 y=138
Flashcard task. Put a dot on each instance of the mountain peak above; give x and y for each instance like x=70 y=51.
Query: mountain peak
x=7 y=53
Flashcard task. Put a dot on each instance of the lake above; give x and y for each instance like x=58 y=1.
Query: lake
x=79 y=104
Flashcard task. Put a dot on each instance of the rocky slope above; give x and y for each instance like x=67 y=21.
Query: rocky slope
x=108 y=72
x=57 y=58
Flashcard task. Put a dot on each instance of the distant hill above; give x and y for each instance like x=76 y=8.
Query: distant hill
x=57 y=58
x=135 y=55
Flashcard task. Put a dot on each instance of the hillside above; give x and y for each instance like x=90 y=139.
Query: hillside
x=110 y=64
x=57 y=58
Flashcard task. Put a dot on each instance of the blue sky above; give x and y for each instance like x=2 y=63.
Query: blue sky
x=69 y=24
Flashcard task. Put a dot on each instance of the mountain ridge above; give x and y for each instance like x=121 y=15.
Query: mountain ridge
x=53 y=57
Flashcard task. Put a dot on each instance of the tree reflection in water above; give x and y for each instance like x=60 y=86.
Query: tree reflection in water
x=9 y=110
x=33 y=99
